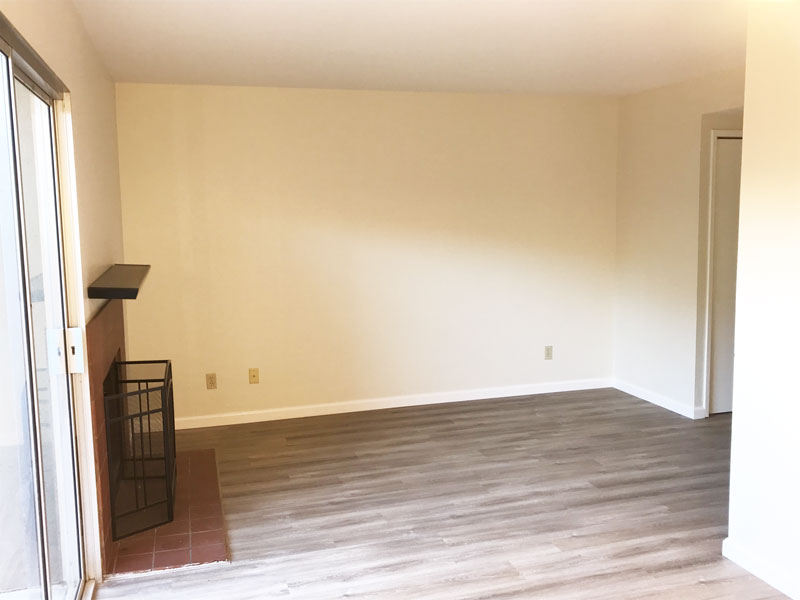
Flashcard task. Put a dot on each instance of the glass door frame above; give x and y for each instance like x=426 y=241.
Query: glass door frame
x=25 y=66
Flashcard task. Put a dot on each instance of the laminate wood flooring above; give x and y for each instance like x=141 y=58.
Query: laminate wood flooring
x=579 y=495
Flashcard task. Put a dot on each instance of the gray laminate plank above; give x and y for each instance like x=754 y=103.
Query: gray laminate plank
x=579 y=495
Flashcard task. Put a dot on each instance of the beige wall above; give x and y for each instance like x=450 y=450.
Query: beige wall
x=360 y=245
x=765 y=467
x=55 y=31
x=658 y=212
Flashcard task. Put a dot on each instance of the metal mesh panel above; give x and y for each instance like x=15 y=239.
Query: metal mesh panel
x=140 y=436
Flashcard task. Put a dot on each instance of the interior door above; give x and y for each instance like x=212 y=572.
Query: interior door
x=725 y=241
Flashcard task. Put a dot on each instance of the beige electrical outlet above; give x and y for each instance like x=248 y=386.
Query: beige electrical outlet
x=253 y=375
x=548 y=353
x=211 y=381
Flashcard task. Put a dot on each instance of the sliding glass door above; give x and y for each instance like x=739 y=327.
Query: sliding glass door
x=40 y=552
x=20 y=553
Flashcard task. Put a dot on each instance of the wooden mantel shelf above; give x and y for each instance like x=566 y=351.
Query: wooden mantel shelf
x=119 y=282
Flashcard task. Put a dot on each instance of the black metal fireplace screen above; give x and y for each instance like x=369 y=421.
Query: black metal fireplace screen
x=140 y=435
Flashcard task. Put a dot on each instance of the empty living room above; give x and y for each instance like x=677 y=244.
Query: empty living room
x=400 y=299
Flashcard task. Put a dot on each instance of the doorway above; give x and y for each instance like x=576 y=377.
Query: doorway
x=726 y=163
x=40 y=553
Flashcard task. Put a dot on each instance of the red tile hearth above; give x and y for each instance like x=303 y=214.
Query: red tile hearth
x=196 y=536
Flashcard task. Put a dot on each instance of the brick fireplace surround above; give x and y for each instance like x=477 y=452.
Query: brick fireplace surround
x=197 y=534
x=105 y=343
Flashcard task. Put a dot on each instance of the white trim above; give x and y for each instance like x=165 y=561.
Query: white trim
x=708 y=273
x=675 y=406
x=331 y=408
x=76 y=317
x=88 y=590
x=785 y=581
x=176 y=571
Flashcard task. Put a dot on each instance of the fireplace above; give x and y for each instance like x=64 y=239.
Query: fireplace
x=140 y=440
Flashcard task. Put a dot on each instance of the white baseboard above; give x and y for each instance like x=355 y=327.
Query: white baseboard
x=663 y=401
x=332 y=408
x=785 y=580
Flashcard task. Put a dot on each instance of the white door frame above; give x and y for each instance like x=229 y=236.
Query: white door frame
x=707 y=272
x=76 y=318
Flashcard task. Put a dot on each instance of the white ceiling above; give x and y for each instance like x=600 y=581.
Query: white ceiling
x=554 y=46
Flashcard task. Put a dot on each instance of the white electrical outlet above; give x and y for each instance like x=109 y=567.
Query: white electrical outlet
x=211 y=381
x=548 y=353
